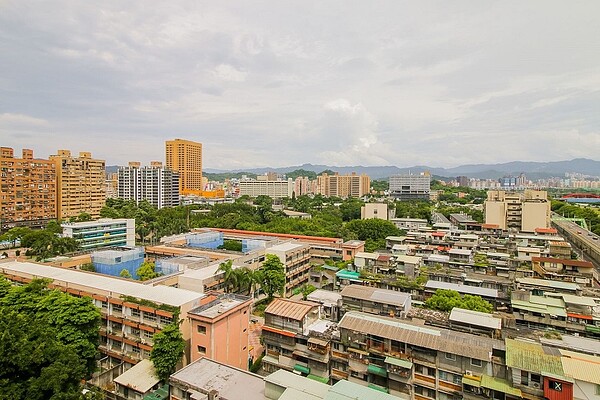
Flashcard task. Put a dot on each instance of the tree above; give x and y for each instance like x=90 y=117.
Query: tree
x=54 y=227
x=307 y=289
x=16 y=233
x=125 y=274
x=231 y=245
x=167 y=350
x=88 y=267
x=229 y=277
x=146 y=271
x=446 y=300
x=273 y=276
x=374 y=229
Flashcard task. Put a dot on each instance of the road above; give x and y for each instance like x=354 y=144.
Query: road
x=587 y=242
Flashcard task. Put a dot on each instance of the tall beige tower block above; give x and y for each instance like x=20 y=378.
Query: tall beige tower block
x=185 y=157
x=80 y=184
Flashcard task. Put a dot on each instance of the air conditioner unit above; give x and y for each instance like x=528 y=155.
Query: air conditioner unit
x=469 y=373
x=535 y=385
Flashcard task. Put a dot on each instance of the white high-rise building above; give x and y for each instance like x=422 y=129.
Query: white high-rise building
x=156 y=184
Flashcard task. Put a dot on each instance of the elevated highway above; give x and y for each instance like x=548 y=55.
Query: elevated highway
x=584 y=240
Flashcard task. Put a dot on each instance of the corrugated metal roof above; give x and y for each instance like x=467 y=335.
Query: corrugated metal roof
x=140 y=377
x=345 y=390
x=287 y=379
x=296 y=310
x=475 y=318
x=463 y=344
x=375 y=294
x=499 y=385
x=580 y=300
x=582 y=368
x=548 y=283
x=465 y=289
x=530 y=356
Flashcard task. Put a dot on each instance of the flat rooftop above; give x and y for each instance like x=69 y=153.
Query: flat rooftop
x=465 y=289
x=549 y=284
x=205 y=375
x=115 y=286
x=376 y=295
x=219 y=306
x=288 y=246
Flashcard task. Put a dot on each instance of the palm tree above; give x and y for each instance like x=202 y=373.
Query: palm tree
x=229 y=276
x=243 y=279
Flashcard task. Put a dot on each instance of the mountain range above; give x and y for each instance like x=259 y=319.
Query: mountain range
x=533 y=170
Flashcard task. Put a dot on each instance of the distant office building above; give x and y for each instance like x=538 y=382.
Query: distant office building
x=463 y=181
x=410 y=187
x=510 y=182
x=343 y=186
x=185 y=157
x=101 y=233
x=156 y=184
x=264 y=187
x=523 y=211
x=302 y=186
x=112 y=184
x=80 y=184
x=27 y=190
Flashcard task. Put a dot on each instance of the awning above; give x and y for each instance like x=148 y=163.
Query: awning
x=471 y=381
x=580 y=316
x=499 y=385
x=302 y=368
x=377 y=370
x=399 y=362
x=379 y=388
x=318 y=378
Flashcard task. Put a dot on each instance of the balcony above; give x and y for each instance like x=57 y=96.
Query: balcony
x=339 y=374
x=425 y=380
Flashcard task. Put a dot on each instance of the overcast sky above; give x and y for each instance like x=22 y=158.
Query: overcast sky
x=280 y=83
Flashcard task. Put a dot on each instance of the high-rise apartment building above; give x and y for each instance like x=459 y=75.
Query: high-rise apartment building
x=343 y=185
x=155 y=183
x=262 y=186
x=521 y=211
x=80 y=184
x=27 y=190
x=185 y=157
x=410 y=187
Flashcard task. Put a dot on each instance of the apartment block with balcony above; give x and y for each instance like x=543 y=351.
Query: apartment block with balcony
x=80 y=184
x=131 y=311
x=155 y=184
x=263 y=187
x=524 y=212
x=343 y=186
x=410 y=360
x=295 y=257
x=288 y=341
x=566 y=270
x=185 y=157
x=220 y=329
x=27 y=190
x=102 y=233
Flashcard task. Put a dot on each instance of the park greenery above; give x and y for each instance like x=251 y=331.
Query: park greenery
x=49 y=342
x=446 y=300
x=167 y=350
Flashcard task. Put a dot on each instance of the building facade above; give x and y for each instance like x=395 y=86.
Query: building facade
x=80 y=184
x=343 y=186
x=185 y=157
x=101 y=233
x=410 y=187
x=525 y=211
x=264 y=187
x=156 y=184
x=296 y=263
x=27 y=190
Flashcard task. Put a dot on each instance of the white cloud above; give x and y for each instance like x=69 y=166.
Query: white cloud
x=229 y=73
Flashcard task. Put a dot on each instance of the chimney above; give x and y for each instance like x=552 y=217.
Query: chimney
x=213 y=395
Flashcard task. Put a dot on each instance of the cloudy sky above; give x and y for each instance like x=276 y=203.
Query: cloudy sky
x=278 y=83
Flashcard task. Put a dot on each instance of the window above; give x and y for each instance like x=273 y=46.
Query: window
x=476 y=363
x=201 y=349
x=202 y=329
x=135 y=350
x=135 y=312
x=450 y=356
x=536 y=378
x=557 y=386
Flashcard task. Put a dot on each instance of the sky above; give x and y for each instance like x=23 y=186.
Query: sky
x=281 y=83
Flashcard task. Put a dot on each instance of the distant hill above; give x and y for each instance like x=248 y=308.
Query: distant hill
x=533 y=170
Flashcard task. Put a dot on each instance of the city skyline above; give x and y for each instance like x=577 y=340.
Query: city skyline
x=271 y=85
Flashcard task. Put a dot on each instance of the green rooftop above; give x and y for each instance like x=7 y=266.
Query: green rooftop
x=350 y=275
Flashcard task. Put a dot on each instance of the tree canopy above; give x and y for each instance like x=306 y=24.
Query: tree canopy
x=273 y=276
x=49 y=342
x=167 y=350
x=446 y=300
x=147 y=271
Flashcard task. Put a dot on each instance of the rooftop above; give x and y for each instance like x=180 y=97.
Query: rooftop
x=296 y=310
x=475 y=318
x=464 y=289
x=530 y=356
x=115 y=286
x=309 y=388
x=376 y=295
x=99 y=222
x=564 y=261
x=287 y=246
x=220 y=305
x=141 y=377
x=548 y=283
x=326 y=297
x=463 y=344
x=205 y=375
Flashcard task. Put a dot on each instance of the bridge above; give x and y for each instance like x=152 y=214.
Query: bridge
x=588 y=242
x=581 y=198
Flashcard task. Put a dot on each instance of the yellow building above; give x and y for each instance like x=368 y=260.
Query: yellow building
x=185 y=157
x=343 y=185
x=522 y=211
x=27 y=190
x=80 y=184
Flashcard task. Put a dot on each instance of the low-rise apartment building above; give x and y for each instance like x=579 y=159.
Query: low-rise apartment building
x=131 y=311
x=219 y=329
x=376 y=301
x=566 y=270
x=296 y=263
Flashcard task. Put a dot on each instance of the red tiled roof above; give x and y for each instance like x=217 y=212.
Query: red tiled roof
x=545 y=230
x=279 y=235
x=563 y=261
